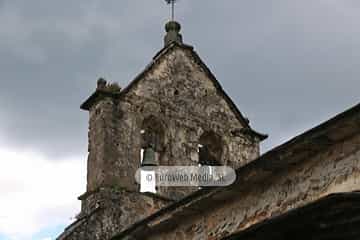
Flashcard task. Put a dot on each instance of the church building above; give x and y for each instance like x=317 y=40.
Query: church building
x=175 y=113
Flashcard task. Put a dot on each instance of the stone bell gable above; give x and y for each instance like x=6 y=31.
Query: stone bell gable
x=180 y=102
x=177 y=107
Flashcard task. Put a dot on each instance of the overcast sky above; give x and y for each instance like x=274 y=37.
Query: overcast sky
x=288 y=65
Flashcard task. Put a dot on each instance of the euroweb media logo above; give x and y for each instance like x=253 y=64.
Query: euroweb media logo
x=151 y=177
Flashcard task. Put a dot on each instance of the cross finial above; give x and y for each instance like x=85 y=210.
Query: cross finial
x=172 y=2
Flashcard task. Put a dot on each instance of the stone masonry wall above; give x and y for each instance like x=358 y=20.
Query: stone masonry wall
x=335 y=170
x=179 y=95
x=185 y=103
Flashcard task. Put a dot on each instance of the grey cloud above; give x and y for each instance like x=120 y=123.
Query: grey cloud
x=287 y=64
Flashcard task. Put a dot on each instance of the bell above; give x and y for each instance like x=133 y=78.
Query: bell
x=149 y=157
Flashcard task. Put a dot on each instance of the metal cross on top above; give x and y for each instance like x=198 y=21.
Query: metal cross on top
x=172 y=2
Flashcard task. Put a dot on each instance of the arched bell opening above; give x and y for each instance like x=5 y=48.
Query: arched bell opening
x=152 y=141
x=210 y=149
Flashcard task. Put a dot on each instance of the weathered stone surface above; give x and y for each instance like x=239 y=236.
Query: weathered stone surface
x=177 y=95
x=177 y=106
x=335 y=170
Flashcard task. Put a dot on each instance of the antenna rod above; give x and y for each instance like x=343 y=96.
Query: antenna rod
x=172 y=10
x=172 y=2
